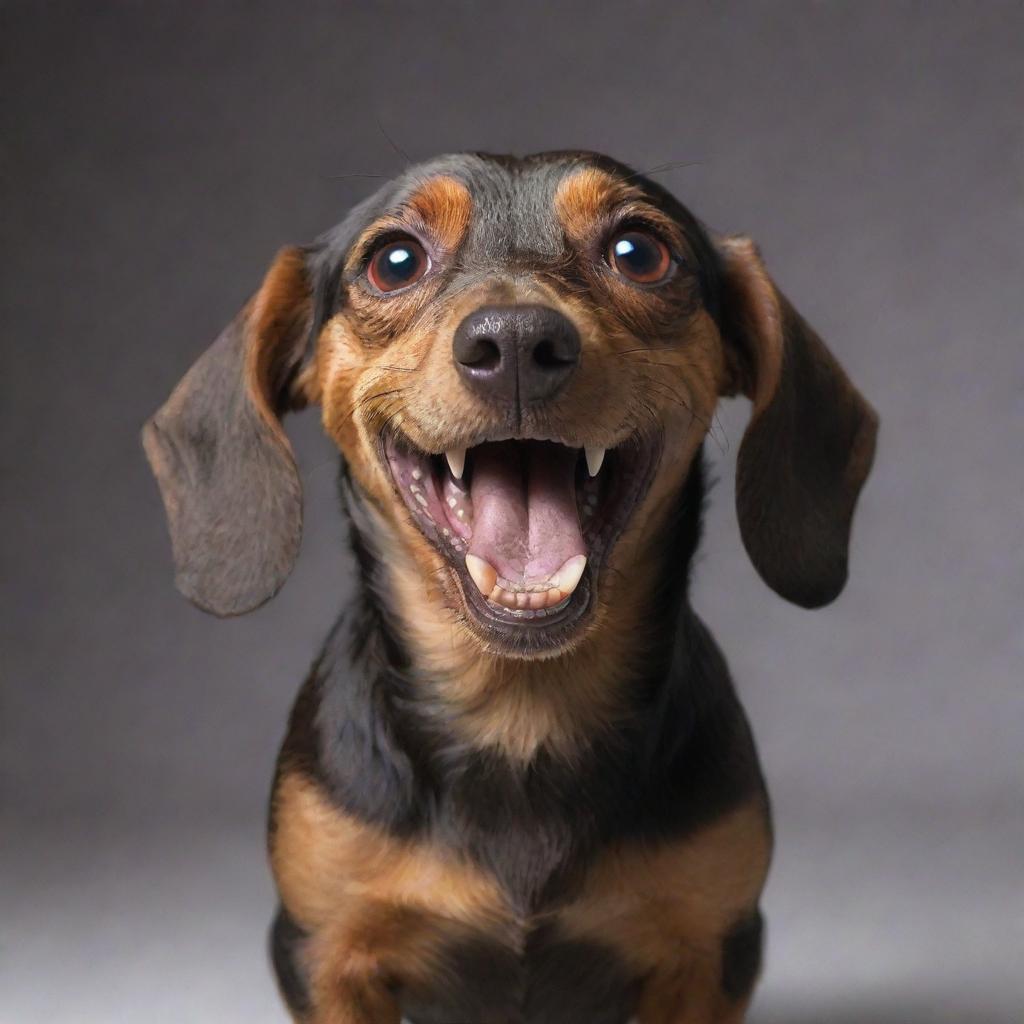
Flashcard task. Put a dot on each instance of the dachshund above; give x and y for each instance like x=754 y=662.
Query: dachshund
x=517 y=786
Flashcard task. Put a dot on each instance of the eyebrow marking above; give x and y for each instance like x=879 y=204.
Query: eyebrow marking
x=444 y=206
x=439 y=210
x=589 y=197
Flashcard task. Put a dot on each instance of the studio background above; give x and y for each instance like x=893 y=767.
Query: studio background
x=153 y=159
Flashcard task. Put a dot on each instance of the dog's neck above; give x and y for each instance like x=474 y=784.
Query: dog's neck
x=519 y=706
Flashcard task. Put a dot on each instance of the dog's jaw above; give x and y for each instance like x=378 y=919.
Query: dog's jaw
x=525 y=530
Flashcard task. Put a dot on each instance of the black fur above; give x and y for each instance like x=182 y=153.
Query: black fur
x=363 y=729
x=554 y=981
x=366 y=726
x=741 y=956
x=286 y=939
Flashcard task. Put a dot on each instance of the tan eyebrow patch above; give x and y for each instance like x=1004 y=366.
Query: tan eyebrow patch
x=587 y=199
x=439 y=209
x=589 y=195
x=443 y=206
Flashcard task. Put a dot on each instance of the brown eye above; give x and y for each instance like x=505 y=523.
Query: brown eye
x=397 y=265
x=639 y=256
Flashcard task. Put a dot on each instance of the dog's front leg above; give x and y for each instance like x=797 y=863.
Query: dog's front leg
x=691 y=993
x=355 y=1002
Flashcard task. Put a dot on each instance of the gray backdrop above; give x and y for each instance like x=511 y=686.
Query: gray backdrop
x=154 y=156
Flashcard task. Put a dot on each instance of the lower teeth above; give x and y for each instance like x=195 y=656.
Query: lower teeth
x=532 y=613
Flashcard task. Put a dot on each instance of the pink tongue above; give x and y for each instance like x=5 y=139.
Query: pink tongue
x=525 y=521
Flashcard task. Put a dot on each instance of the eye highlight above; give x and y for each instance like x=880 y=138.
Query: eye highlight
x=397 y=264
x=639 y=256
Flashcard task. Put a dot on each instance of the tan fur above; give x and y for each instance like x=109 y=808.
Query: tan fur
x=667 y=908
x=586 y=201
x=364 y=381
x=278 y=316
x=376 y=908
x=745 y=270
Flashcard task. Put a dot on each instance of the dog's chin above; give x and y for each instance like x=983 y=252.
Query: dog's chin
x=525 y=527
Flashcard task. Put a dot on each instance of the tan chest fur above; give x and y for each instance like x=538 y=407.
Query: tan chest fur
x=380 y=907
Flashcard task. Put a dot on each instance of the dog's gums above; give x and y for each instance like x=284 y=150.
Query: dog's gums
x=525 y=524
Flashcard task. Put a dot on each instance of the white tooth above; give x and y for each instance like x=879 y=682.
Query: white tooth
x=595 y=458
x=483 y=573
x=568 y=577
x=456 y=461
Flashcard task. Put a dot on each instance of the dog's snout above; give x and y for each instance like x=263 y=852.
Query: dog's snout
x=510 y=352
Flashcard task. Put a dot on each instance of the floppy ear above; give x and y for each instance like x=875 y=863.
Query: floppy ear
x=810 y=441
x=225 y=468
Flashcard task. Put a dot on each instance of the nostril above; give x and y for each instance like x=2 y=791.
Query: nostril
x=521 y=354
x=547 y=355
x=485 y=355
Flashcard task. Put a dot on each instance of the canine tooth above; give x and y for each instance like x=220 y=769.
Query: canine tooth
x=484 y=574
x=456 y=461
x=568 y=577
x=595 y=458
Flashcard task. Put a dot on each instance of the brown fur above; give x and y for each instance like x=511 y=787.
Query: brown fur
x=377 y=908
x=667 y=908
x=411 y=382
x=380 y=910
x=375 y=911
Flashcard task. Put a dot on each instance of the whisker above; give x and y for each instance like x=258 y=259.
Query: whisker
x=671 y=393
x=391 y=142
x=389 y=419
x=670 y=165
x=725 y=436
x=353 y=174
x=366 y=399
x=643 y=348
x=655 y=362
x=710 y=427
x=309 y=471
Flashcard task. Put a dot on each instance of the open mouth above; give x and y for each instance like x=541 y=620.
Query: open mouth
x=525 y=524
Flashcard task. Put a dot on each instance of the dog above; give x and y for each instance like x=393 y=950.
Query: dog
x=517 y=786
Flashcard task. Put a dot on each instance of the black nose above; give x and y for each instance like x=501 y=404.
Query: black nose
x=516 y=353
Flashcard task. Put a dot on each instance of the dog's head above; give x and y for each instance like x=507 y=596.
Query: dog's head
x=519 y=360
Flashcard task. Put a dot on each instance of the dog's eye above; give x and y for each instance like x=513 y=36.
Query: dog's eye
x=397 y=264
x=639 y=256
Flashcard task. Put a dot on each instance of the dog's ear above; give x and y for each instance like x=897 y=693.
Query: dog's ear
x=224 y=465
x=810 y=441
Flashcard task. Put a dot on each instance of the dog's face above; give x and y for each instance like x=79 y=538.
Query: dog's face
x=518 y=359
